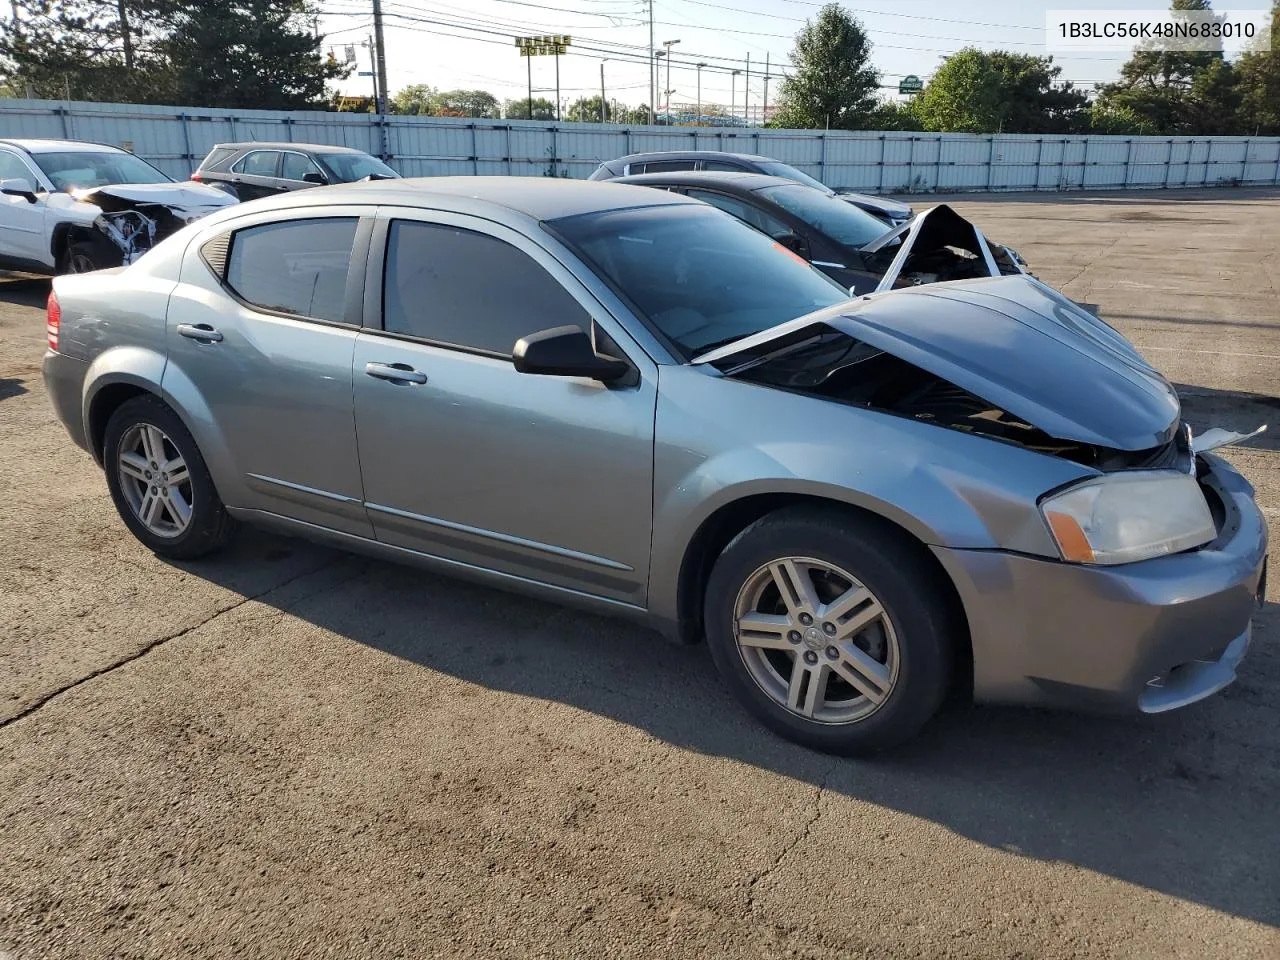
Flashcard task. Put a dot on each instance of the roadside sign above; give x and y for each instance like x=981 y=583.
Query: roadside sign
x=364 y=73
x=910 y=84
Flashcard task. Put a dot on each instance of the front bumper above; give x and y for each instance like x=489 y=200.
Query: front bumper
x=1150 y=636
x=64 y=380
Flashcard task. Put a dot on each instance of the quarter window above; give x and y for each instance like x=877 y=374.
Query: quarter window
x=260 y=163
x=664 y=166
x=470 y=290
x=297 y=267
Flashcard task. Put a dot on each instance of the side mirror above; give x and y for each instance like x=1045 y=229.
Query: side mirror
x=565 y=352
x=313 y=177
x=18 y=188
x=794 y=243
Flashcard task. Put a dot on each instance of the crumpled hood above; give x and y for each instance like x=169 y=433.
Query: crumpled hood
x=185 y=196
x=1019 y=345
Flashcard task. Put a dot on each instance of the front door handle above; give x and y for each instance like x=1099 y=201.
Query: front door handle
x=199 y=331
x=395 y=372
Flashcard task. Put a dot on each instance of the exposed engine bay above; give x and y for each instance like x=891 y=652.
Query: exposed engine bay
x=833 y=365
x=134 y=224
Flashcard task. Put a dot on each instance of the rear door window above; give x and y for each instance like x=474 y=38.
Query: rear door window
x=298 y=267
x=663 y=166
x=260 y=163
x=722 y=166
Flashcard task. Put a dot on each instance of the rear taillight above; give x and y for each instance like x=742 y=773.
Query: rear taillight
x=53 y=320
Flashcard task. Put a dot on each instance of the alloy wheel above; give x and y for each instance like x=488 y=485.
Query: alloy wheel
x=155 y=480
x=816 y=640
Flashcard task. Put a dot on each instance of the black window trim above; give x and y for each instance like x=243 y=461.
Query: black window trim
x=376 y=282
x=353 y=294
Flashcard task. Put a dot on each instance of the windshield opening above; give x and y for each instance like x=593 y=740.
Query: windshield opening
x=80 y=169
x=697 y=275
x=776 y=168
x=828 y=214
x=350 y=167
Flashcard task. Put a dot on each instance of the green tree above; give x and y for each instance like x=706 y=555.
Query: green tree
x=415 y=99
x=1159 y=89
x=890 y=115
x=979 y=91
x=543 y=109
x=833 y=84
x=1258 y=73
x=467 y=103
x=255 y=54
x=587 y=110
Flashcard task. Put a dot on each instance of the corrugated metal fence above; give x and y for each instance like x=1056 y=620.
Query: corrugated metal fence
x=176 y=138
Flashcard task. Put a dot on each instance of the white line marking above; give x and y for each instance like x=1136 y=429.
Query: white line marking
x=1214 y=353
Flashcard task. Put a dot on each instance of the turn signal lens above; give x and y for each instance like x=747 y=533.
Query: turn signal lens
x=1072 y=542
x=53 y=319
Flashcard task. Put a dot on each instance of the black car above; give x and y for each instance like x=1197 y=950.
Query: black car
x=252 y=170
x=851 y=246
x=713 y=161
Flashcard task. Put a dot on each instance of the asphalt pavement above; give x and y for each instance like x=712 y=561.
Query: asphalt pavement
x=288 y=751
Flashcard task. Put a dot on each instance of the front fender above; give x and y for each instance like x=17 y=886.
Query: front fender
x=719 y=441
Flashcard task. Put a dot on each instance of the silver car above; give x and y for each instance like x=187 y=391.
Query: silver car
x=628 y=400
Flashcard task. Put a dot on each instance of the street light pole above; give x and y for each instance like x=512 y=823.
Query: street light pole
x=658 y=55
x=667 y=93
x=698 y=121
x=733 y=90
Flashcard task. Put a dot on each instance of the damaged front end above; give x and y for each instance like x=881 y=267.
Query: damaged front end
x=135 y=218
x=1007 y=358
x=937 y=246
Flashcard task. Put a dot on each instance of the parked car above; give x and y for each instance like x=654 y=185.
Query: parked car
x=851 y=246
x=889 y=211
x=252 y=170
x=68 y=206
x=662 y=414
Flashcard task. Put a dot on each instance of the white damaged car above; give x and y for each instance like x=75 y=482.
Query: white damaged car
x=70 y=207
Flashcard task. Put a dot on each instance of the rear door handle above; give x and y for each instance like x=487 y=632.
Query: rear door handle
x=395 y=372
x=199 y=331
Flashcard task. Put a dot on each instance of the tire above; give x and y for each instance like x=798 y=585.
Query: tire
x=901 y=668
x=84 y=256
x=132 y=433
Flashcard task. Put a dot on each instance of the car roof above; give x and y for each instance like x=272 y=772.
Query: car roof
x=692 y=155
x=57 y=146
x=711 y=178
x=283 y=145
x=539 y=198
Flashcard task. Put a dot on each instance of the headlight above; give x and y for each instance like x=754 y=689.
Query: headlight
x=1123 y=517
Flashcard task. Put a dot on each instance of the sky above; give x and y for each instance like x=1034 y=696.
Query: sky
x=470 y=43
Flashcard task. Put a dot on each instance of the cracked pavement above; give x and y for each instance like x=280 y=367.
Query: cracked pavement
x=290 y=752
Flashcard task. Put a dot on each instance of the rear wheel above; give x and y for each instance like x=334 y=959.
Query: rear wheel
x=159 y=482
x=833 y=629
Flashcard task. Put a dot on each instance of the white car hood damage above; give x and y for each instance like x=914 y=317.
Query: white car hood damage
x=136 y=216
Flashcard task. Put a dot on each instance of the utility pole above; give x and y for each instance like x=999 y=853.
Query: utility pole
x=733 y=90
x=652 y=68
x=698 y=121
x=746 y=95
x=379 y=58
x=764 y=112
x=557 y=83
x=659 y=54
x=602 y=100
x=126 y=38
x=666 y=94
x=373 y=69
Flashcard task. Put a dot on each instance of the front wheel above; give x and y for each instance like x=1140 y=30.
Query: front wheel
x=159 y=481
x=85 y=256
x=833 y=629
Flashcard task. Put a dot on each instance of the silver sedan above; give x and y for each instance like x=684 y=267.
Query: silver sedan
x=628 y=400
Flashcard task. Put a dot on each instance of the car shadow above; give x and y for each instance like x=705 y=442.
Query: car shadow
x=23 y=291
x=1182 y=803
x=11 y=387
